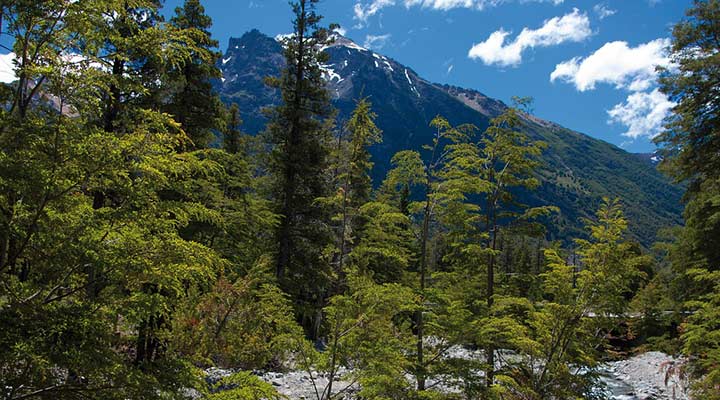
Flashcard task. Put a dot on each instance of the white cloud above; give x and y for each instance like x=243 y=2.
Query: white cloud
x=340 y=31
x=68 y=63
x=477 y=4
x=642 y=113
x=572 y=27
x=363 y=11
x=7 y=68
x=615 y=63
x=602 y=11
x=449 y=66
x=376 y=42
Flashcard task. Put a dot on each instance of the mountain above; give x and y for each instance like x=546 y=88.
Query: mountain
x=578 y=170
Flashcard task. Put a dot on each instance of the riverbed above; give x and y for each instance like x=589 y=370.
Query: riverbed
x=640 y=377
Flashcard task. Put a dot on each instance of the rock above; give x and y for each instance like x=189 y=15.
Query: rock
x=645 y=375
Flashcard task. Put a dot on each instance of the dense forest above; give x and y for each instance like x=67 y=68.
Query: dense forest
x=145 y=239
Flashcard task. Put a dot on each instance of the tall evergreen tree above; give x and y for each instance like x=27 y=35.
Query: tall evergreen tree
x=232 y=136
x=194 y=103
x=351 y=172
x=298 y=132
x=691 y=147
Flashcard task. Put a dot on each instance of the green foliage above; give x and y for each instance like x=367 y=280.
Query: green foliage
x=367 y=331
x=556 y=340
x=232 y=137
x=445 y=180
x=298 y=133
x=193 y=103
x=363 y=134
x=385 y=250
x=94 y=266
x=351 y=177
x=245 y=324
x=701 y=335
x=609 y=263
x=691 y=145
x=654 y=304
x=243 y=386
x=131 y=254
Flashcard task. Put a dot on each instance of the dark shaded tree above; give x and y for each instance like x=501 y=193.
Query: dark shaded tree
x=298 y=132
x=194 y=103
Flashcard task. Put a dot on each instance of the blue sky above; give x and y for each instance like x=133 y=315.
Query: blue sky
x=588 y=64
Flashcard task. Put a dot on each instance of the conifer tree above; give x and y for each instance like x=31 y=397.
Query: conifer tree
x=232 y=135
x=298 y=133
x=352 y=173
x=690 y=146
x=194 y=103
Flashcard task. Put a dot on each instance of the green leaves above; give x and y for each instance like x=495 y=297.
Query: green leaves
x=244 y=386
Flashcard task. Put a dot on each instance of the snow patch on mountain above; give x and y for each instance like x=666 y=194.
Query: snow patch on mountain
x=408 y=78
x=329 y=74
x=282 y=36
x=412 y=86
x=353 y=45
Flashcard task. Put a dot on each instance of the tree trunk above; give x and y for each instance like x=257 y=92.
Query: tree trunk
x=490 y=374
x=419 y=321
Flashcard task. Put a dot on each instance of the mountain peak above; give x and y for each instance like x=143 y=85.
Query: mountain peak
x=342 y=41
x=251 y=41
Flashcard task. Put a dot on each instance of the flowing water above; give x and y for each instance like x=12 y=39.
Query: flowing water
x=615 y=387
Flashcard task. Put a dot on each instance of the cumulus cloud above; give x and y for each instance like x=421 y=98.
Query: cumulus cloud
x=572 y=27
x=632 y=69
x=642 y=113
x=365 y=10
x=376 y=42
x=603 y=11
x=617 y=64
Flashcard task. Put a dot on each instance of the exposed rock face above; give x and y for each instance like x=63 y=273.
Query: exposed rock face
x=245 y=64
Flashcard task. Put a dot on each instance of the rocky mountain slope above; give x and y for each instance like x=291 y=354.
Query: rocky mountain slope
x=578 y=171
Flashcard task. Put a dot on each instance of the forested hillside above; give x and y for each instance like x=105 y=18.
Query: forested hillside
x=143 y=258
x=578 y=171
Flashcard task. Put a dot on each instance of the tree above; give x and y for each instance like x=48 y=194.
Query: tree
x=507 y=161
x=232 y=136
x=243 y=322
x=91 y=261
x=691 y=145
x=444 y=179
x=194 y=103
x=298 y=133
x=692 y=139
x=351 y=172
x=366 y=337
x=557 y=339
